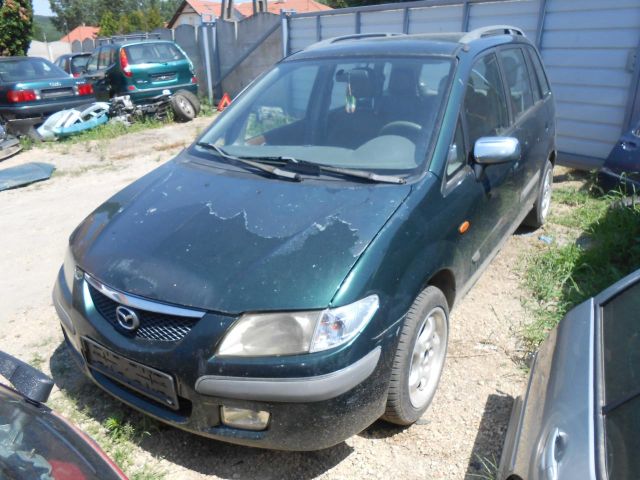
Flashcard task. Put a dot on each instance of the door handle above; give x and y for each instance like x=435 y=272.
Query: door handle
x=554 y=450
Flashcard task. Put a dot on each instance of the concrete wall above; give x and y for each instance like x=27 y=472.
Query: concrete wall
x=236 y=38
x=48 y=50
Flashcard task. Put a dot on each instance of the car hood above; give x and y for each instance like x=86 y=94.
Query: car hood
x=196 y=235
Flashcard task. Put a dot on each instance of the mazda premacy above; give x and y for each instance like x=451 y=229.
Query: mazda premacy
x=287 y=279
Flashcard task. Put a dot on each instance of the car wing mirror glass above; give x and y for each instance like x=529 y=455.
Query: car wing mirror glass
x=493 y=150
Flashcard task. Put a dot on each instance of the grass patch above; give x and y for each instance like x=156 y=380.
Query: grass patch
x=606 y=248
x=112 y=130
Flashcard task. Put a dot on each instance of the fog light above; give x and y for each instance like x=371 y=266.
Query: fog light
x=244 y=418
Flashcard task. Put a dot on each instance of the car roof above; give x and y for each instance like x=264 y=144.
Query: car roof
x=446 y=44
x=137 y=42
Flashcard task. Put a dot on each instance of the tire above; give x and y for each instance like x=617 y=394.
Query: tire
x=407 y=400
x=185 y=105
x=538 y=214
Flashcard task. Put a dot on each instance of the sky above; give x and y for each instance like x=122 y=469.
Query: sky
x=41 y=7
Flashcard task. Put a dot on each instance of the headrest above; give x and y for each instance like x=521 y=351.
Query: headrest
x=361 y=84
x=402 y=81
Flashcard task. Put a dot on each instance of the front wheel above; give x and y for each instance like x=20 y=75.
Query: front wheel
x=538 y=214
x=419 y=358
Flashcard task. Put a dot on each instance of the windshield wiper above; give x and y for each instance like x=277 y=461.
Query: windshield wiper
x=313 y=166
x=275 y=171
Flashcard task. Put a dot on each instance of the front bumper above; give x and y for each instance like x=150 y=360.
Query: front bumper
x=311 y=407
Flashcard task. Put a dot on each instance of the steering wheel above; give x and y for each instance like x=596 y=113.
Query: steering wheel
x=402 y=128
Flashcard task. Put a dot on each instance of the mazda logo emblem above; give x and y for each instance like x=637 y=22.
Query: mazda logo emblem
x=127 y=319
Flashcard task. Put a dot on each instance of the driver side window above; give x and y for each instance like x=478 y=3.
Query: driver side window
x=484 y=102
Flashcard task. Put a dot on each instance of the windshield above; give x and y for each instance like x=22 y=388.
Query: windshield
x=376 y=114
x=153 y=53
x=79 y=62
x=24 y=69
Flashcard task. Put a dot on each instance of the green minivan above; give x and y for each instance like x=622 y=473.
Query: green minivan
x=141 y=69
x=287 y=279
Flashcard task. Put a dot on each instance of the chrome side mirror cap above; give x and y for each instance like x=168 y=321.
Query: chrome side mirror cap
x=492 y=150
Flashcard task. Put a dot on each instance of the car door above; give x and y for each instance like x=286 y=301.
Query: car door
x=527 y=123
x=486 y=114
x=96 y=72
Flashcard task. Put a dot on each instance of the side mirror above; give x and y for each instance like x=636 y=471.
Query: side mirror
x=492 y=150
x=27 y=380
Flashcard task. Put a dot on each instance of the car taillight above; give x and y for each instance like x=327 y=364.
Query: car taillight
x=124 y=63
x=85 y=89
x=76 y=75
x=194 y=79
x=17 y=96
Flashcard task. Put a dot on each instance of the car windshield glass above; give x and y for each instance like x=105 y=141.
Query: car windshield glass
x=25 y=69
x=621 y=358
x=375 y=114
x=36 y=444
x=79 y=62
x=153 y=53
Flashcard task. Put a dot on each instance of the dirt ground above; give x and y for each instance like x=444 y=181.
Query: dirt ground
x=463 y=428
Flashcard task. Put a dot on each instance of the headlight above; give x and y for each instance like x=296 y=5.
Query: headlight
x=68 y=268
x=290 y=333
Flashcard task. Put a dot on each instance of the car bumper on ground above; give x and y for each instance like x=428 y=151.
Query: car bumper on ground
x=305 y=412
x=611 y=180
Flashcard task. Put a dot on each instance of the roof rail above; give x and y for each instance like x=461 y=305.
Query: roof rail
x=489 y=31
x=355 y=36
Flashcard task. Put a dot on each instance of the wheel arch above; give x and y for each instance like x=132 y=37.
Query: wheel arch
x=444 y=280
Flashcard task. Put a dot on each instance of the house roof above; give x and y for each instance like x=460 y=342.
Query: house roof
x=81 y=33
x=245 y=9
x=274 y=6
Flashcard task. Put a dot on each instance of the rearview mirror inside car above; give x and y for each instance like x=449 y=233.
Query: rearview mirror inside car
x=492 y=150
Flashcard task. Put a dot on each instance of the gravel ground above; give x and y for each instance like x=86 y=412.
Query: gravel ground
x=463 y=428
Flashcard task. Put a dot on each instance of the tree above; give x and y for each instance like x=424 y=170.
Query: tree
x=71 y=13
x=138 y=21
x=108 y=24
x=154 y=18
x=124 y=26
x=16 y=27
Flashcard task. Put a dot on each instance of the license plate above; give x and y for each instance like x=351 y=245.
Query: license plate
x=147 y=381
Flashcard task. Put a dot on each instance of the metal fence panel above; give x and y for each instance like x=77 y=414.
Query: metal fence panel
x=388 y=21
x=337 y=25
x=586 y=48
x=435 y=19
x=302 y=33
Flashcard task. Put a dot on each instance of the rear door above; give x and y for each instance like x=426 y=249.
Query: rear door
x=158 y=65
x=96 y=71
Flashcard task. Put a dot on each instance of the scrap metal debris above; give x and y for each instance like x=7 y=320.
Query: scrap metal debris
x=23 y=175
x=9 y=145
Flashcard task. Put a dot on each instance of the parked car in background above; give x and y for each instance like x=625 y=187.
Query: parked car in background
x=287 y=280
x=621 y=169
x=143 y=70
x=73 y=63
x=580 y=414
x=33 y=88
x=35 y=442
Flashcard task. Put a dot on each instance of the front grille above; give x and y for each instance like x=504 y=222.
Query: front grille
x=56 y=92
x=153 y=326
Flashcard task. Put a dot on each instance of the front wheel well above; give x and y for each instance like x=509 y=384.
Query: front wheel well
x=446 y=282
x=552 y=157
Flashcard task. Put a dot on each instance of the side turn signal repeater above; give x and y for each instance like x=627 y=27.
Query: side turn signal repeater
x=464 y=226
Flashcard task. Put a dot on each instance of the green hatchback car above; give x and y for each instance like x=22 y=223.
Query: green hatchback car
x=141 y=69
x=287 y=280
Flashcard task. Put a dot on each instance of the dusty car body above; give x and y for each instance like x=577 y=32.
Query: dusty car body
x=33 y=88
x=141 y=69
x=286 y=280
x=579 y=416
x=621 y=169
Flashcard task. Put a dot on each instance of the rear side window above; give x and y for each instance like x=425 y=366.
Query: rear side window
x=540 y=74
x=484 y=103
x=92 y=64
x=517 y=80
x=79 y=63
x=105 y=57
x=621 y=357
x=153 y=53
